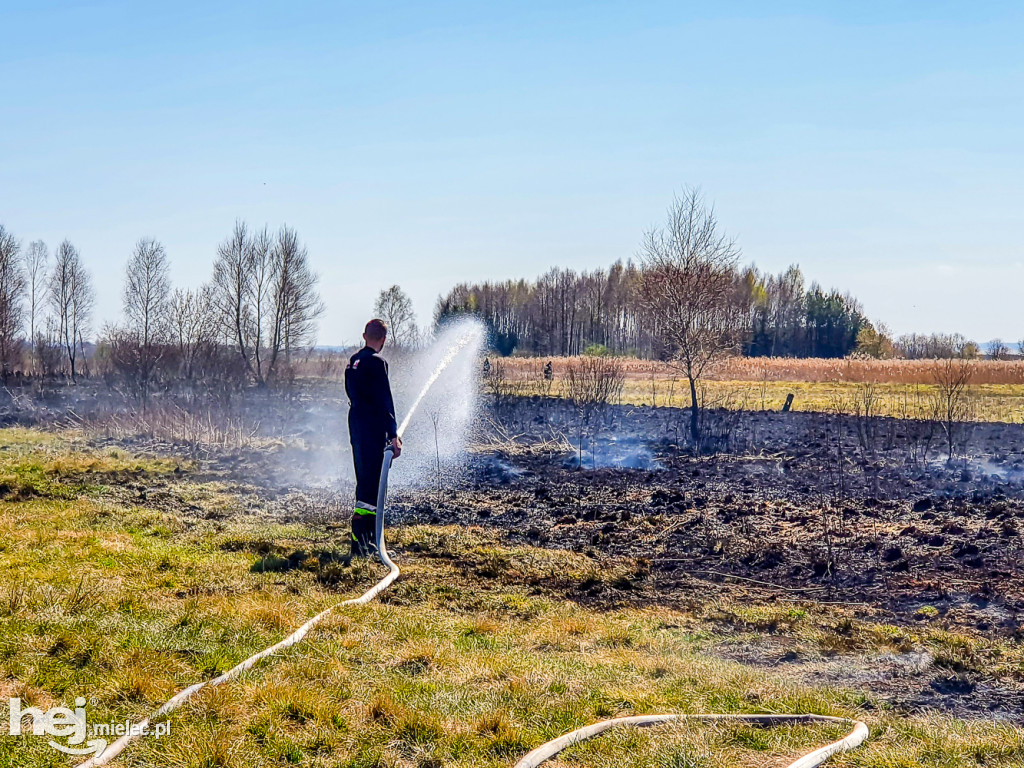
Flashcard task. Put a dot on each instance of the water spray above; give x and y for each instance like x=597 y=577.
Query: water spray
x=542 y=753
x=467 y=337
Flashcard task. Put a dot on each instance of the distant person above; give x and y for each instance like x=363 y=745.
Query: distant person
x=548 y=372
x=371 y=426
x=487 y=366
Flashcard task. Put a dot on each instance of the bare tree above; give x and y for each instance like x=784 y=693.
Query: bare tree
x=12 y=284
x=265 y=294
x=193 y=326
x=953 y=401
x=394 y=307
x=687 y=290
x=232 y=283
x=71 y=298
x=593 y=381
x=146 y=294
x=49 y=349
x=998 y=350
x=263 y=274
x=592 y=384
x=36 y=258
x=294 y=299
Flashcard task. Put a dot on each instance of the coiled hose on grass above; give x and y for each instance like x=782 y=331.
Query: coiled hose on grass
x=539 y=755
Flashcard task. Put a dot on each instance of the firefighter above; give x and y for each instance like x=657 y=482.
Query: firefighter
x=371 y=426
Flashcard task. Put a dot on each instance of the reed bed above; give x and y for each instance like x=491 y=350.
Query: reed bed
x=811 y=370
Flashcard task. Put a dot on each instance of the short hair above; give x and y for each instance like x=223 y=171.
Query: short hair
x=376 y=330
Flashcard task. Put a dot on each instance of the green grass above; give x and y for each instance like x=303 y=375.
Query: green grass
x=474 y=657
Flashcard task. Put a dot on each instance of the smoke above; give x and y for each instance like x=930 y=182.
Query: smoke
x=615 y=451
x=440 y=400
x=307 y=438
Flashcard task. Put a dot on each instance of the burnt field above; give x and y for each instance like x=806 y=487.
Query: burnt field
x=834 y=508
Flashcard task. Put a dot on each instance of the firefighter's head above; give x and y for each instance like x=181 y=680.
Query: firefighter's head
x=375 y=334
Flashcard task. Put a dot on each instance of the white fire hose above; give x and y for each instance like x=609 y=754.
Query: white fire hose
x=538 y=755
x=116 y=747
x=855 y=738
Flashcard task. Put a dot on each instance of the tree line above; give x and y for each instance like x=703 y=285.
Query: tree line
x=247 y=323
x=560 y=313
x=564 y=312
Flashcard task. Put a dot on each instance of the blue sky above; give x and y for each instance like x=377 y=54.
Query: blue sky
x=878 y=145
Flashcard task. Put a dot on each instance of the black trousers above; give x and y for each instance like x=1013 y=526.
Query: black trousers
x=368 y=456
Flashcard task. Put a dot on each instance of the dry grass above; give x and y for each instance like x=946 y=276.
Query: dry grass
x=200 y=428
x=900 y=388
x=811 y=370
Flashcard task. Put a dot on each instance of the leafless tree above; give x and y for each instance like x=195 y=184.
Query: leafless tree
x=71 y=299
x=146 y=294
x=295 y=302
x=687 y=291
x=193 y=326
x=998 y=350
x=232 y=283
x=592 y=381
x=953 y=401
x=12 y=284
x=394 y=307
x=36 y=258
x=49 y=348
x=263 y=275
x=592 y=384
x=265 y=294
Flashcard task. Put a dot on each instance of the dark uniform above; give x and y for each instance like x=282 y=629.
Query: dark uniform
x=371 y=426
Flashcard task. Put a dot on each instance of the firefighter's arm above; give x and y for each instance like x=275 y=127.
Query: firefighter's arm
x=386 y=403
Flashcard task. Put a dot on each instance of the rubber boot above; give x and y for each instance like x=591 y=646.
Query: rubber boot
x=364 y=533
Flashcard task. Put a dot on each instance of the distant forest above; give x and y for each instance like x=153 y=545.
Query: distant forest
x=569 y=313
